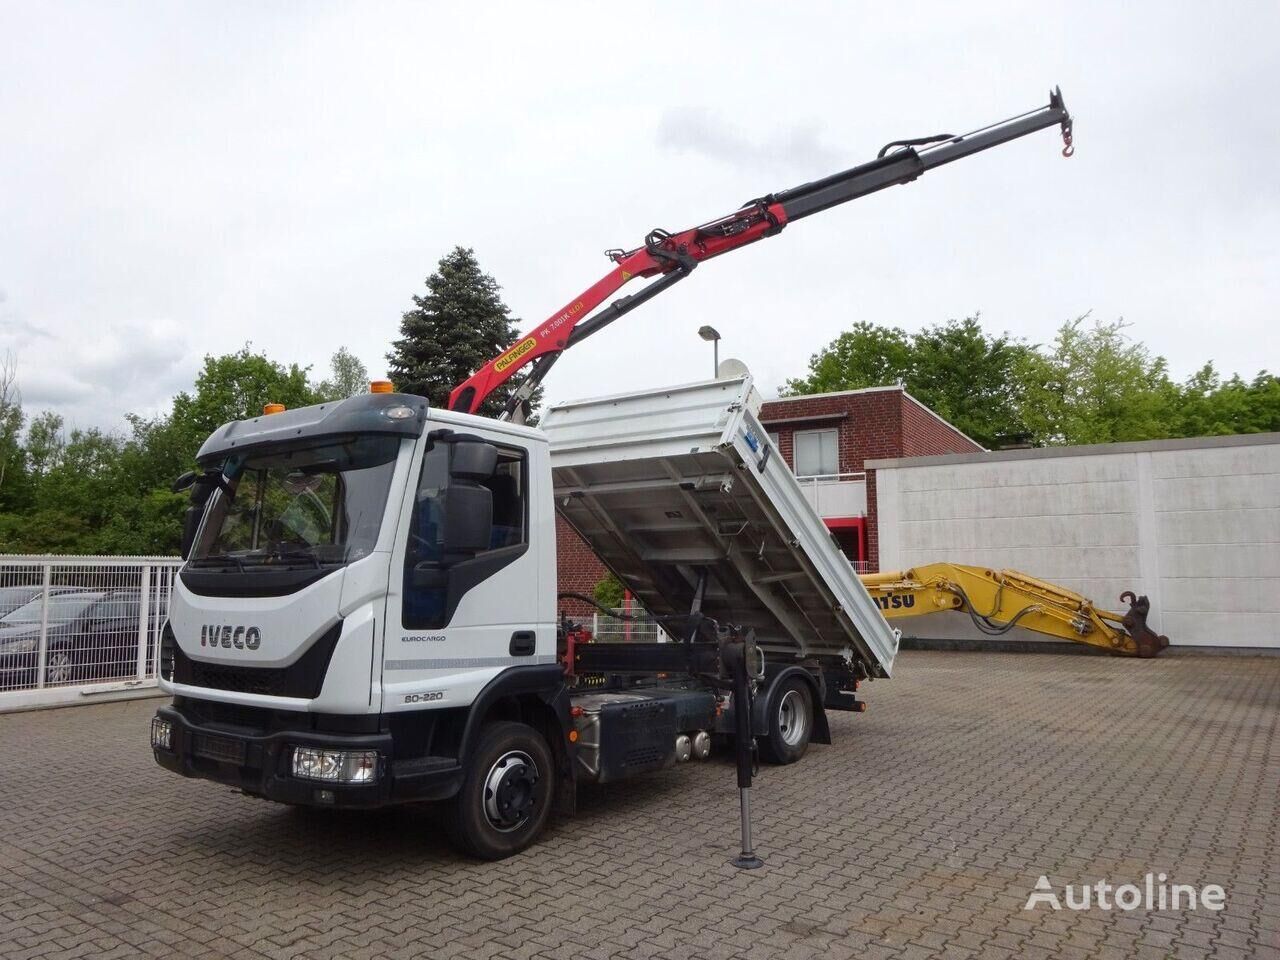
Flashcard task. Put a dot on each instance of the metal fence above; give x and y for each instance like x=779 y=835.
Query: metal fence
x=644 y=628
x=77 y=627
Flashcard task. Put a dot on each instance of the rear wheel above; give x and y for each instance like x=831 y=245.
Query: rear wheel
x=59 y=667
x=790 y=716
x=506 y=795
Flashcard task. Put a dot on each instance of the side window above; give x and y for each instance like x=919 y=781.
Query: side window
x=510 y=504
x=115 y=608
x=425 y=528
x=434 y=579
x=817 y=453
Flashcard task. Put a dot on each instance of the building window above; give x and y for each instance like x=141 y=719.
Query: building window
x=817 y=452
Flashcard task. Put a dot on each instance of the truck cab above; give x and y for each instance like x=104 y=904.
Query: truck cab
x=369 y=584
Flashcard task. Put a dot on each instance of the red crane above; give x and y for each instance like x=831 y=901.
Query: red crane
x=672 y=256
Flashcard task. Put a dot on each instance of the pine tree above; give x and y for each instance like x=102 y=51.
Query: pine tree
x=458 y=326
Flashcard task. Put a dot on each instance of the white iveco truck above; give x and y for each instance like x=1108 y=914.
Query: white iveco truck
x=368 y=613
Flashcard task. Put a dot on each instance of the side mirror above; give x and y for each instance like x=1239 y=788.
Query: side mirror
x=184 y=481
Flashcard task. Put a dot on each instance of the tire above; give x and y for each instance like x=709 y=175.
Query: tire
x=506 y=794
x=790 y=716
x=59 y=666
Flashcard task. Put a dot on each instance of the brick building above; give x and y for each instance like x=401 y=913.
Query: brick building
x=825 y=438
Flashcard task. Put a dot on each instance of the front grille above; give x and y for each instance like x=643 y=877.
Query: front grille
x=268 y=681
x=300 y=680
x=229 y=714
x=221 y=749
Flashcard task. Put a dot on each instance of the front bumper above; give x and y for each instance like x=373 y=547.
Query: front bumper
x=259 y=763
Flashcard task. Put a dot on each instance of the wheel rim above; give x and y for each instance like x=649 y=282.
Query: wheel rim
x=58 y=669
x=510 y=791
x=793 y=719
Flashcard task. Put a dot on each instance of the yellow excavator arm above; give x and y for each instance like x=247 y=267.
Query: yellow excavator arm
x=999 y=600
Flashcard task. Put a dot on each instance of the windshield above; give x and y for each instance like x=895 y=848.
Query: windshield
x=62 y=607
x=314 y=505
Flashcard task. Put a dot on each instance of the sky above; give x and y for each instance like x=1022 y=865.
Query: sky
x=178 y=179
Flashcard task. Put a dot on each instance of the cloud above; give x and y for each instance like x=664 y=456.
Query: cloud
x=21 y=331
x=95 y=379
x=697 y=130
x=16 y=329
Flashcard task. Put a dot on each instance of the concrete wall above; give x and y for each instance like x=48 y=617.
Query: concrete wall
x=1194 y=524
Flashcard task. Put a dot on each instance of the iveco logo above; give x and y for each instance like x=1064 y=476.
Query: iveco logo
x=225 y=635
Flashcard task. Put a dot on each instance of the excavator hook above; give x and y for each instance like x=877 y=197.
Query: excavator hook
x=1149 y=642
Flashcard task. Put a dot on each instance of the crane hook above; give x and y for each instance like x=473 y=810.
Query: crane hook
x=1067 y=149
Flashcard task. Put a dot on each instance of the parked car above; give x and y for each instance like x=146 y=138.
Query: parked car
x=11 y=598
x=92 y=635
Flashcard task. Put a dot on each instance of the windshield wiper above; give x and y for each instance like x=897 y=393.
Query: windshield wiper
x=297 y=555
x=219 y=558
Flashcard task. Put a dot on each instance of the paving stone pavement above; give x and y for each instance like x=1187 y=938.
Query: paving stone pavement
x=919 y=833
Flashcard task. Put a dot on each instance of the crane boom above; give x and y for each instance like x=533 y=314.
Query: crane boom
x=999 y=600
x=670 y=257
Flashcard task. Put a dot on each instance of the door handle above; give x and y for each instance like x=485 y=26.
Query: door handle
x=523 y=643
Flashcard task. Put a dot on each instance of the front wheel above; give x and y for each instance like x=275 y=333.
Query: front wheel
x=790 y=717
x=506 y=794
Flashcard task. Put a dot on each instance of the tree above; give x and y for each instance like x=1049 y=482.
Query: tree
x=79 y=495
x=609 y=592
x=348 y=377
x=457 y=327
x=237 y=385
x=10 y=416
x=1095 y=385
x=233 y=386
x=955 y=369
x=45 y=442
x=14 y=478
x=97 y=492
x=865 y=355
x=969 y=378
x=1207 y=405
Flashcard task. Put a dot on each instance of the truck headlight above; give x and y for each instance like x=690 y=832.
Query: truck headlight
x=335 y=766
x=161 y=734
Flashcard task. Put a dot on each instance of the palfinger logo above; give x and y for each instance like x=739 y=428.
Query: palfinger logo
x=515 y=353
x=1153 y=894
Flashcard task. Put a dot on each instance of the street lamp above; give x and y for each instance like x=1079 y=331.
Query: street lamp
x=712 y=335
